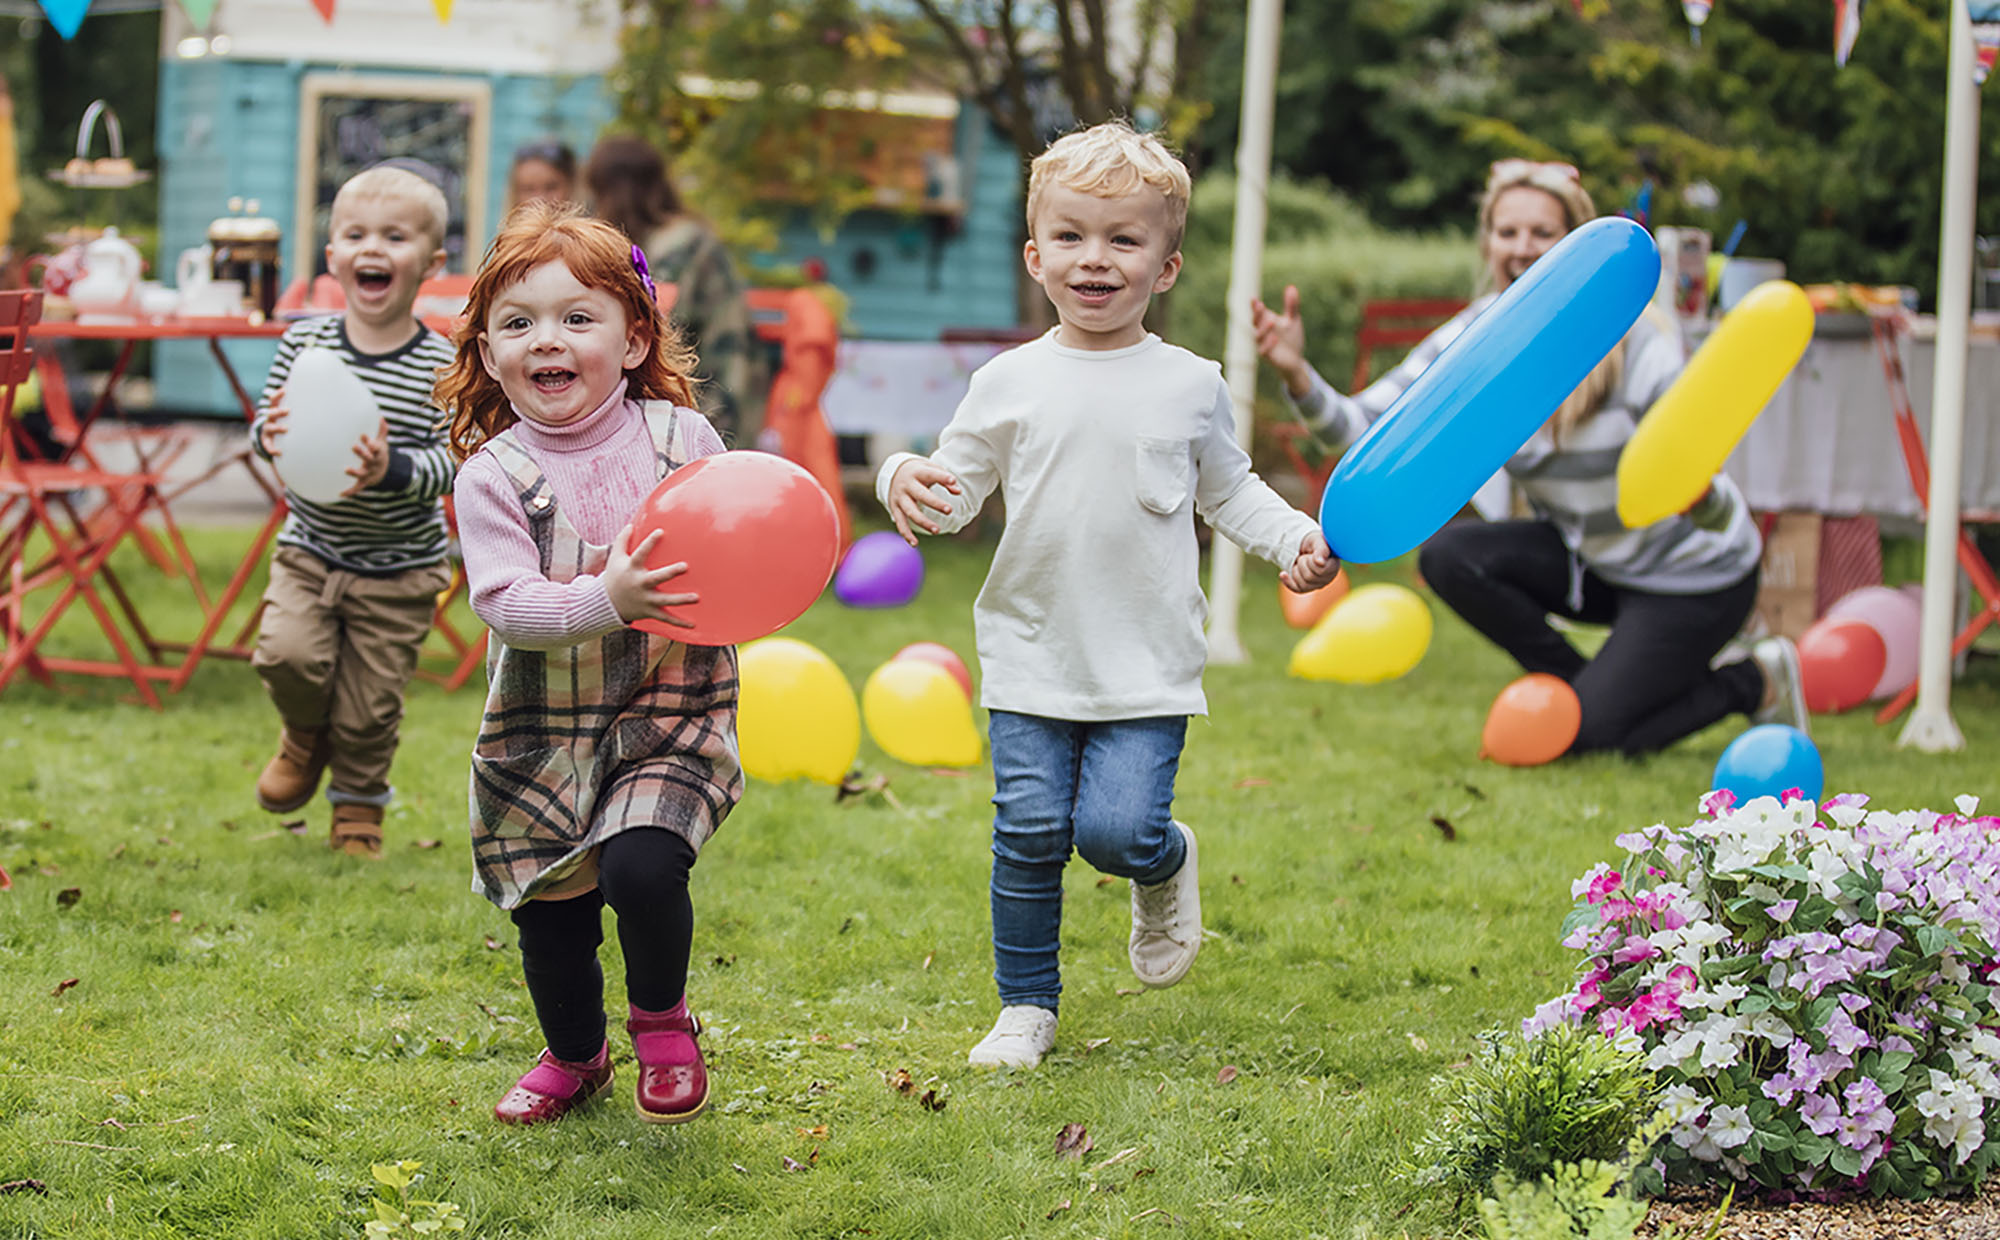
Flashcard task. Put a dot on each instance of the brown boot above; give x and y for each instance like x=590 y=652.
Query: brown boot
x=292 y=775
x=357 y=831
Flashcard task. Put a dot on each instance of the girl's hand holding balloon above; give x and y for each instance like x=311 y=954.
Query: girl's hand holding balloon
x=910 y=493
x=371 y=455
x=635 y=589
x=1315 y=566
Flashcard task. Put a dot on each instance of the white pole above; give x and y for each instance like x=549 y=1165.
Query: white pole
x=1246 y=269
x=1931 y=727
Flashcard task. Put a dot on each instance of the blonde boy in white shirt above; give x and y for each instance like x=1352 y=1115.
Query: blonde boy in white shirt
x=1105 y=442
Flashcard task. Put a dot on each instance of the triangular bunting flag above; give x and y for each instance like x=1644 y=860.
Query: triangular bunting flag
x=199 y=11
x=1846 y=26
x=325 y=8
x=65 y=15
x=1696 y=12
x=444 y=9
x=1985 y=37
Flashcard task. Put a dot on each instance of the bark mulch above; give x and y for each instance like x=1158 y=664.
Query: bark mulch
x=1975 y=1217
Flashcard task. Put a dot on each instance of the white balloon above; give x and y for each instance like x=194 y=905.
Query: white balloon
x=328 y=409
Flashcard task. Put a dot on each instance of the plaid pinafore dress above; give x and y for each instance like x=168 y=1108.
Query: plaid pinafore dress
x=583 y=742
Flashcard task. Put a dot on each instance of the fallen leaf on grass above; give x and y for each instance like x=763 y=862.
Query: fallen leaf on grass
x=930 y=1101
x=427 y=844
x=1125 y=991
x=174 y=917
x=1073 y=1141
x=815 y=1133
x=1417 y=1041
x=64 y=984
x=846 y=1046
x=740 y=1167
x=1094 y=1043
x=1476 y=793
x=1253 y=781
x=1120 y=1158
x=1445 y=828
x=793 y=1164
x=928 y=957
x=68 y=896
x=1237 y=879
x=1227 y=1074
x=27 y=1186
x=1060 y=1207
x=1142 y=1173
x=296 y=826
x=1106 y=881
x=900 y=1080
x=6 y=883
x=854 y=786
x=493 y=944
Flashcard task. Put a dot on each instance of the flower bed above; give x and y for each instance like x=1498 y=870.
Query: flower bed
x=1812 y=993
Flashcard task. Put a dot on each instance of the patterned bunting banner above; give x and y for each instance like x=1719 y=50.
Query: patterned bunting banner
x=1846 y=25
x=1696 y=12
x=199 y=11
x=325 y=8
x=65 y=15
x=444 y=10
x=1985 y=37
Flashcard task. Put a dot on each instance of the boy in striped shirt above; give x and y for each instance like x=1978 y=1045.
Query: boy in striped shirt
x=354 y=583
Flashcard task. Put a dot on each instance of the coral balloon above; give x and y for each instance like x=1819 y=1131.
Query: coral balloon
x=796 y=716
x=918 y=715
x=1377 y=633
x=760 y=537
x=1488 y=391
x=1898 y=619
x=1534 y=720
x=1302 y=611
x=1768 y=761
x=328 y=410
x=1840 y=662
x=879 y=570
x=1694 y=426
x=942 y=655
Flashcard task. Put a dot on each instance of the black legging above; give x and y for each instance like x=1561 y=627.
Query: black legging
x=643 y=875
x=1650 y=683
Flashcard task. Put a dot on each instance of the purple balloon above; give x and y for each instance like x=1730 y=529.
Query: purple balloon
x=880 y=570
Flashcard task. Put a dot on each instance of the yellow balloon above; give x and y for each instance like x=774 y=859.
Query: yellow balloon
x=795 y=714
x=1691 y=430
x=918 y=714
x=1377 y=633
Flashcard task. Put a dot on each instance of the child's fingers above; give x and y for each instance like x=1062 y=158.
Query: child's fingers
x=929 y=499
x=645 y=545
x=686 y=599
x=667 y=617
x=1291 y=301
x=668 y=573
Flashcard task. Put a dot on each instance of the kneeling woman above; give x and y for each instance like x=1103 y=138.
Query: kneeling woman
x=1674 y=593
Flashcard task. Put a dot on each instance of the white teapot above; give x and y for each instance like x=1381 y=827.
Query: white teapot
x=109 y=286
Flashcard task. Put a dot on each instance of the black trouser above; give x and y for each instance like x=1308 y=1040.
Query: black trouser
x=1650 y=683
x=643 y=875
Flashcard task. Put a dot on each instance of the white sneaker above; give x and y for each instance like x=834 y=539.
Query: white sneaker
x=1023 y=1034
x=1778 y=659
x=1166 y=922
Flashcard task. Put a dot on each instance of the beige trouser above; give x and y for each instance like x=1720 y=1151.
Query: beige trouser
x=336 y=650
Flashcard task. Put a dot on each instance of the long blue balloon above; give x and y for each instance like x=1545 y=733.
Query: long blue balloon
x=1486 y=393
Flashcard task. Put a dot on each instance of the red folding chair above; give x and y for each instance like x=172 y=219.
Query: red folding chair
x=1910 y=438
x=1385 y=324
x=462 y=654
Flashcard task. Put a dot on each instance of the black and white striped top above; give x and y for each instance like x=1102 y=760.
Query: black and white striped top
x=398 y=523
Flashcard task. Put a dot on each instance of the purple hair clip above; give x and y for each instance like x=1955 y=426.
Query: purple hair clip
x=645 y=274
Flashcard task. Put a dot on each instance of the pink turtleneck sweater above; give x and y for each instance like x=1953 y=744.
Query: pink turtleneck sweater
x=601 y=469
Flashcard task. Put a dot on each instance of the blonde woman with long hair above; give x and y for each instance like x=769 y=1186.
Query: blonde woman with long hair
x=1674 y=593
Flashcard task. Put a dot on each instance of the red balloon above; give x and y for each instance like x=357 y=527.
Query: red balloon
x=760 y=537
x=1840 y=662
x=1534 y=720
x=942 y=655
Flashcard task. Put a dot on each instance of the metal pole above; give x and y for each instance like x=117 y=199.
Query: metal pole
x=1931 y=727
x=1246 y=267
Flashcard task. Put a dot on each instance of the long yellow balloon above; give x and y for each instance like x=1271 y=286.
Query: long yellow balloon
x=1691 y=430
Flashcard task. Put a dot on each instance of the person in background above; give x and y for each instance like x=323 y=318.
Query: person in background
x=629 y=187
x=543 y=170
x=1674 y=593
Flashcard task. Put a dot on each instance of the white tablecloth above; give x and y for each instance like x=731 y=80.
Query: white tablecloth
x=1827 y=441
x=900 y=387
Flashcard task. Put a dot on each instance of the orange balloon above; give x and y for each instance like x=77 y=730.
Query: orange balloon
x=1534 y=720
x=1302 y=611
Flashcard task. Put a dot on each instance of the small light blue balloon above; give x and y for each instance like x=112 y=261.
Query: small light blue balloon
x=65 y=15
x=1769 y=760
x=1489 y=390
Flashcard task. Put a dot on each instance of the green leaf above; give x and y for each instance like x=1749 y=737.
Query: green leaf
x=391 y=1174
x=1847 y=1162
x=387 y=1212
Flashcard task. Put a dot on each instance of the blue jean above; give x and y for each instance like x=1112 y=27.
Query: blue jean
x=1105 y=788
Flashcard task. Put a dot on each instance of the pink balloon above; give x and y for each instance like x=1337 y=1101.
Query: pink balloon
x=1898 y=619
x=942 y=655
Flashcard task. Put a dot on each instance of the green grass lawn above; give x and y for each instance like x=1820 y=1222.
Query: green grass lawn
x=253 y=1021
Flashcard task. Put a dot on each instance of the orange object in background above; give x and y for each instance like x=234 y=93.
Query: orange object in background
x=1302 y=611
x=794 y=423
x=1534 y=720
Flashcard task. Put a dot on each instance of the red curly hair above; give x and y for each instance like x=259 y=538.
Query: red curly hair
x=600 y=257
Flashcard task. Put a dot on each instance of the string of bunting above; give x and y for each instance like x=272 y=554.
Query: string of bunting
x=67 y=15
x=1985 y=37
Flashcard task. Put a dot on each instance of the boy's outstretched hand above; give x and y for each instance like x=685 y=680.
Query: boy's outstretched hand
x=371 y=456
x=635 y=589
x=1315 y=566
x=274 y=424
x=910 y=493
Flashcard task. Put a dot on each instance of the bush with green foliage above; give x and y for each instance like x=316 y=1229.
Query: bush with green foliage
x=1520 y=1107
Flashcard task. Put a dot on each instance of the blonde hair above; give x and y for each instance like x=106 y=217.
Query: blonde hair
x=1560 y=182
x=1113 y=160
x=399 y=185
x=600 y=257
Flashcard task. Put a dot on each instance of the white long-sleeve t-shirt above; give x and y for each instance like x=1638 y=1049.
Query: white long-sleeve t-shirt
x=1093 y=607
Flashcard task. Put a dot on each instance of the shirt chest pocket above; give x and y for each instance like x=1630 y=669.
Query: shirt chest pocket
x=1165 y=469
